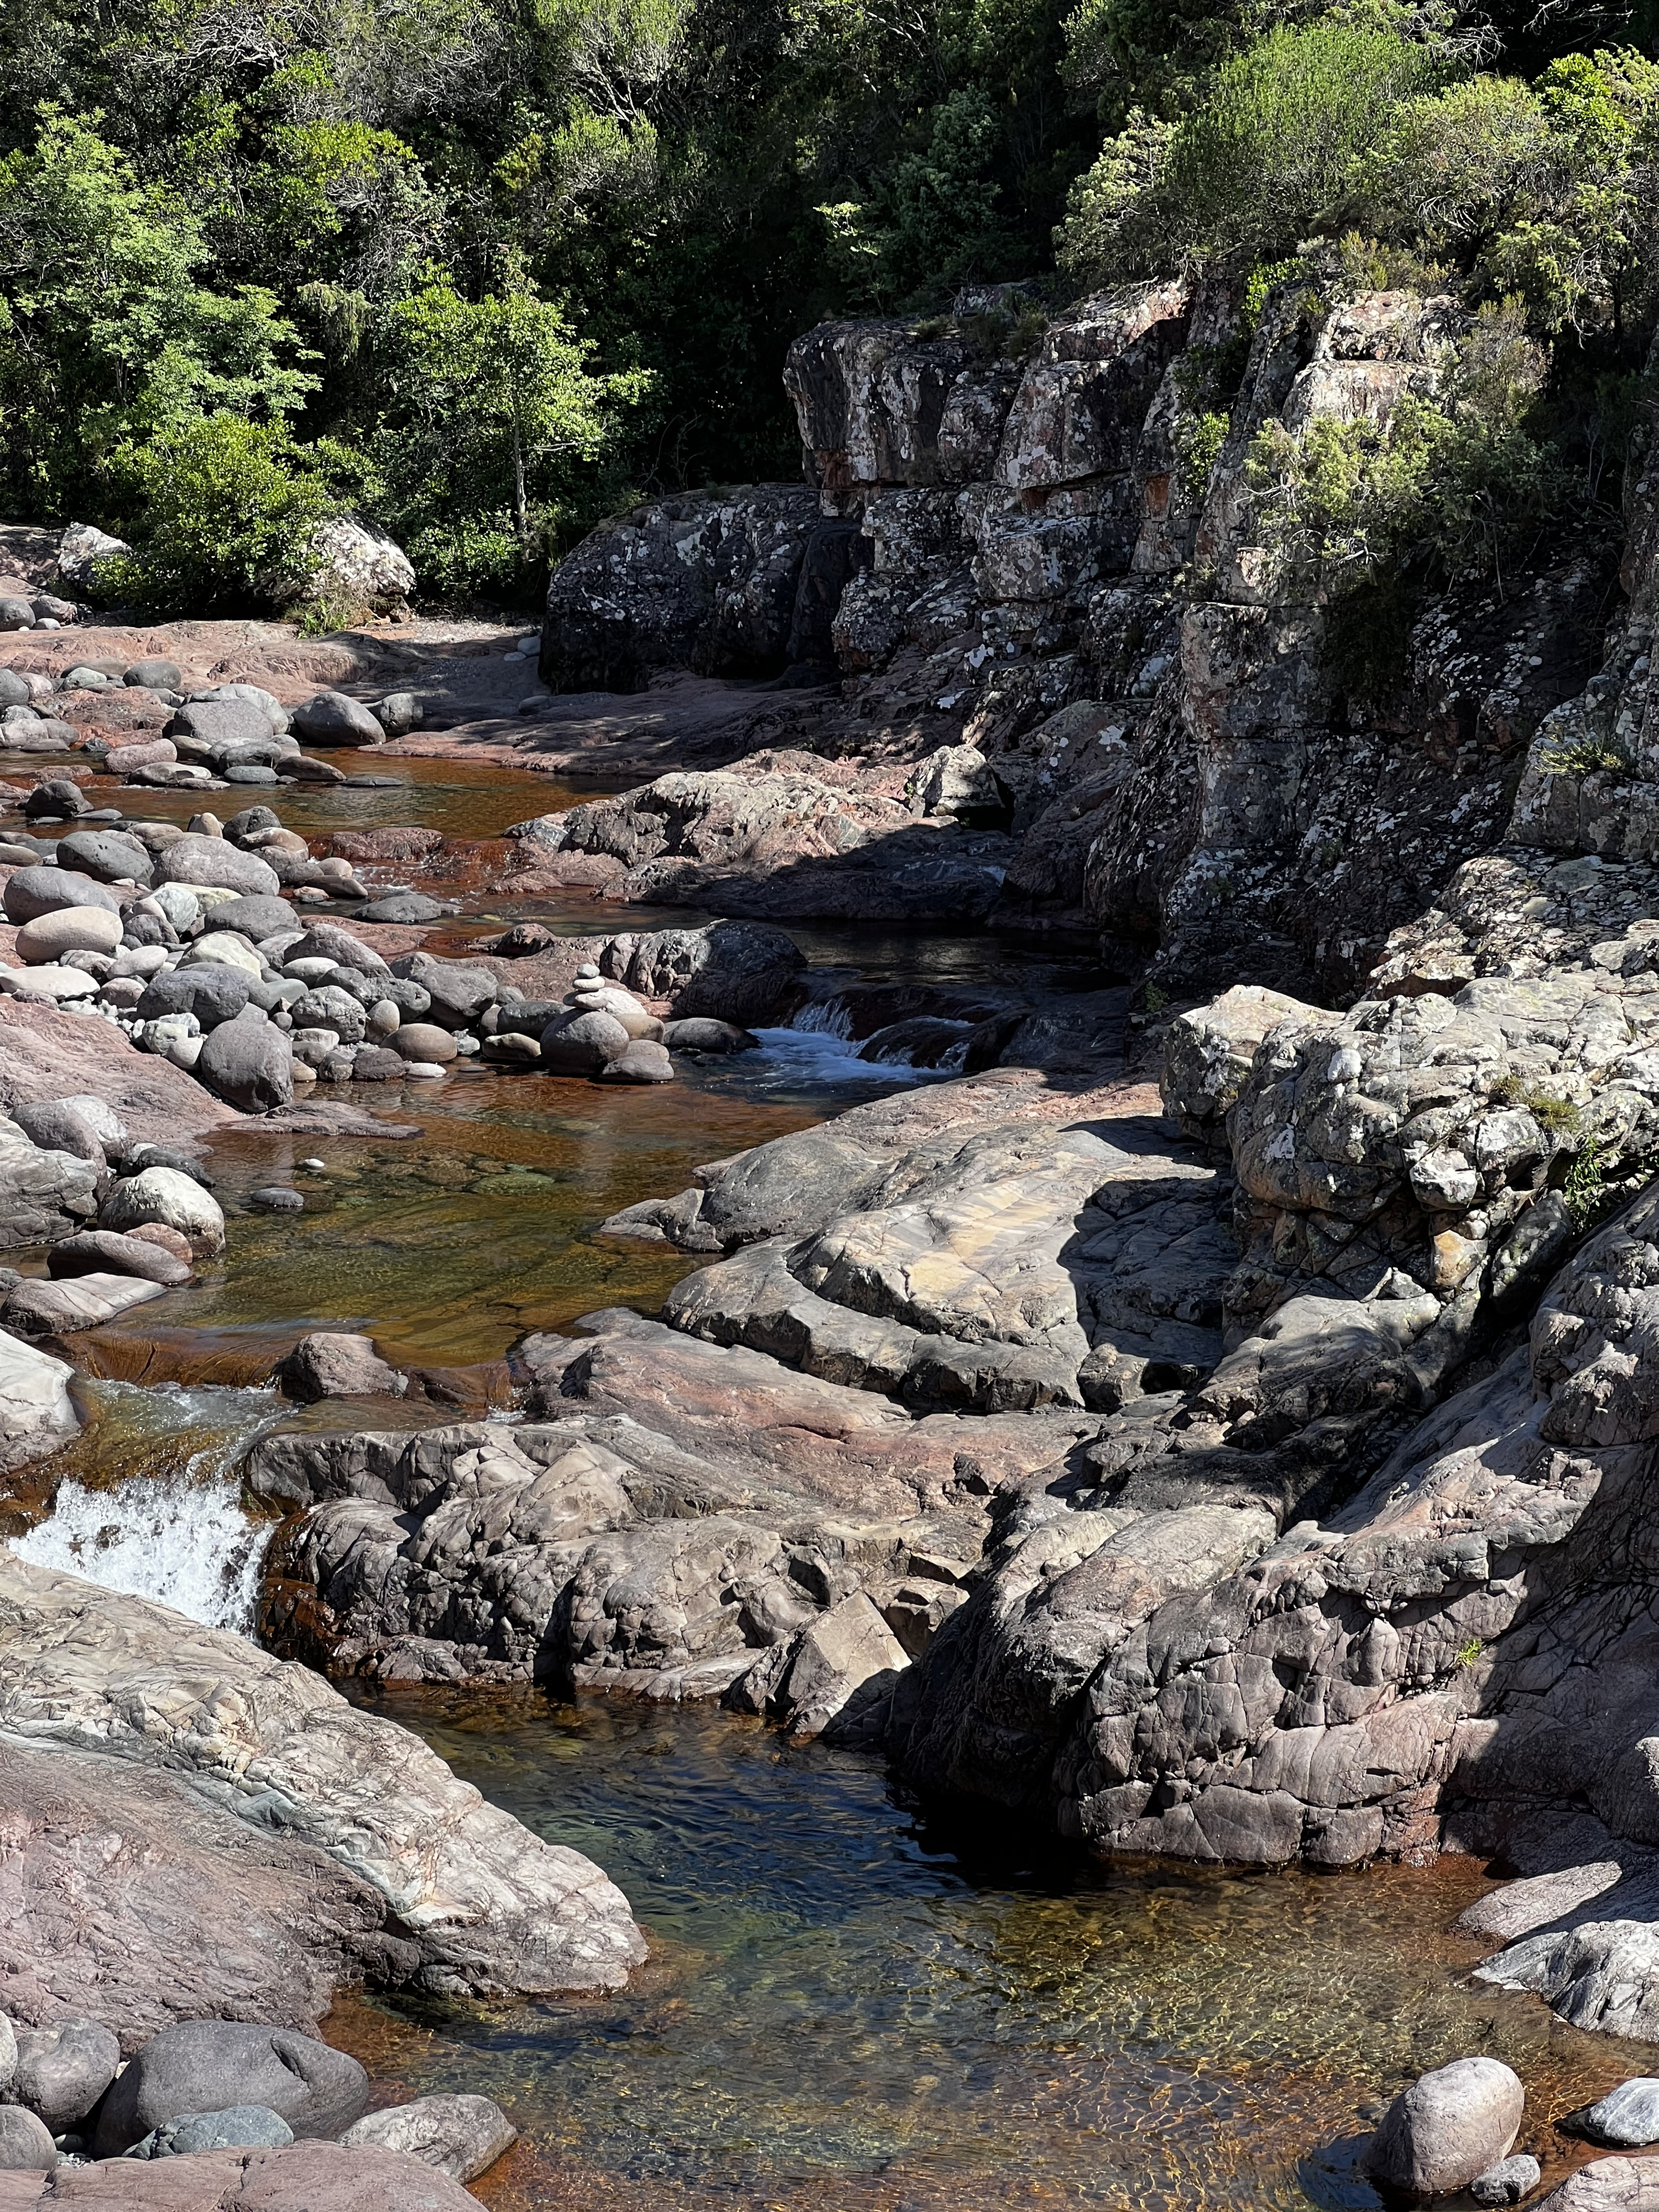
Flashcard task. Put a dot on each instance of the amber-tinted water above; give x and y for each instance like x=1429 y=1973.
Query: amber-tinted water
x=446 y=1247
x=463 y=799
x=853 y=2009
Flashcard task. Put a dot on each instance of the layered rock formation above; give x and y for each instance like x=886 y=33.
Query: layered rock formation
x=1069 y=618
x=424 y=1883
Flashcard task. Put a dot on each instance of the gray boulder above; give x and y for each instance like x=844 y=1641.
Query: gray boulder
x=43 y=1195
x=250 y=1065
x=331 y=718
x=333 y=1364
x=174 y=1200
x=641 y=1060
x=30 y=892
x=462 y=2136
x=80 y=549
x=404 y=907
x=63 y=2071
x=204 y=2066
x=1625 y=2118
x=154 y=675
x=220 y=722
x=1452 y=2123
x=582 y=1044
x=213 y=993
x=106 y=855
x=26 y=2144
x=107 y=1252
x=239 y=2125
x=458 y=990
x=331 y=1008
x=327 y=941
x=700 y=1033
x=256 y=918
x=218 y=864
x=57 y=1126
x=1507 y=2182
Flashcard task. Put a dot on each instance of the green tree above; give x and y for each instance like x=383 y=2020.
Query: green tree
x=107 y=336
x=492 y=401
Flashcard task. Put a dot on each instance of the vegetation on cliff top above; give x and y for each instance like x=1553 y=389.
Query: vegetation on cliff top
x=481 y=269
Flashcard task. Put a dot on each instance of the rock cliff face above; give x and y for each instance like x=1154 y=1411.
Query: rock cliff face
x=1031 y=565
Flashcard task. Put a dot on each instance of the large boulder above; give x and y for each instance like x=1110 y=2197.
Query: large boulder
x=62 y=2070
x=43 y=1195
x=80 y=549
x=107 y=1252
x=46 y=939
x=206 y=2065
x=331 y=718
x=250 y=1064
x=462 y=2136
x=30 y=892
x=355 y=570
x=708 y=581
x=333 y=1364
x=582 y=1044
x=175 y=1200
x=106 y=855
x=458 y=990
x=1451 y=2125
x=211 y=991
x=26 y=2143
x=37 y=1412
x=215 y=862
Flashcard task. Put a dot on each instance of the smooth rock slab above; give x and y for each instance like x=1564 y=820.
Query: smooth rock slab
x=459 y=2136
x=1608 y=2185
x=306 y=2176
x=1452 y=2123
x=37 y=1414
x=485 y=1907
x=88 y=1302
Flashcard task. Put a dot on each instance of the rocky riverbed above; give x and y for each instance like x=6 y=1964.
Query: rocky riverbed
x=1178 y=1390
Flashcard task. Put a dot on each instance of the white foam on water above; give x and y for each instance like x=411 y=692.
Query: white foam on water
x=819 y=1056
x=186 y=1544
x=172 y=1528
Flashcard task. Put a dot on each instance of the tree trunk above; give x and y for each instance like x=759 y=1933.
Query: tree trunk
x=520 y=505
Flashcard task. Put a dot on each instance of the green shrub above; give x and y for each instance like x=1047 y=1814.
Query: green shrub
x=228 y=508
x=1259 y=163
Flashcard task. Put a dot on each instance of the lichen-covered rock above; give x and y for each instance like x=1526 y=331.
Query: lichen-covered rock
x=355 y=569
x=702 y=582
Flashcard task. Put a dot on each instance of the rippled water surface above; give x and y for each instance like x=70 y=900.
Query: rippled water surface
x=854 y=2010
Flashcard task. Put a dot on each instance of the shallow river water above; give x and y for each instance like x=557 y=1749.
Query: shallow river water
x=849 y=2007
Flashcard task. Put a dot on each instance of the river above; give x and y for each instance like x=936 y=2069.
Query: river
x=850 y=2004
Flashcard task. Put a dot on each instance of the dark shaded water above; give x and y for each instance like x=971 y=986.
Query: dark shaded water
x=853 y=2009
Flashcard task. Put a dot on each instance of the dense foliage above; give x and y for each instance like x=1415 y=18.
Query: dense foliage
x=484 y=269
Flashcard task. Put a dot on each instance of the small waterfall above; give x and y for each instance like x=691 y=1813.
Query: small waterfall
x=149 y=1503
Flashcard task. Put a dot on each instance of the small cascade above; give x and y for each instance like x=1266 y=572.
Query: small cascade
x=149 y=1500
x=823 y=1056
